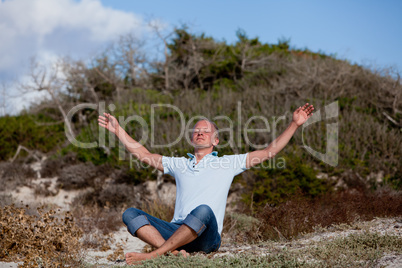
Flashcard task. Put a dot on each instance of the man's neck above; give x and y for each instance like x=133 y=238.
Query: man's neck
x=201 y=152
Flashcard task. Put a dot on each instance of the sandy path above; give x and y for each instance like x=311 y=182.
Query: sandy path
x=121 y=237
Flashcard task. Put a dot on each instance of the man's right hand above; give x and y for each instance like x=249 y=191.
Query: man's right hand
x=135 y=148
x=109 y=122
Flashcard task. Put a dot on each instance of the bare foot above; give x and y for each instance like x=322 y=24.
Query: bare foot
x=136 y=258
x=181 y=252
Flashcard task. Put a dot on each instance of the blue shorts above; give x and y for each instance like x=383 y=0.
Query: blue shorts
x=202 y=220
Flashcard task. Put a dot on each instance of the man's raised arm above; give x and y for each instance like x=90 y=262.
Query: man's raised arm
x=135 y=148
x=299 y=117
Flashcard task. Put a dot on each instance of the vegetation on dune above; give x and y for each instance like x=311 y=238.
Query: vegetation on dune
x=34 y=131
x=45 y=239
x=302 y=214
x=362 y=250
x=356 y=250
x=49 y=238
x=282 y=198
x=201 y=76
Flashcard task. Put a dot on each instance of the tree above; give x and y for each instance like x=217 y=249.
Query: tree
x=49 y=79
x=4 y=98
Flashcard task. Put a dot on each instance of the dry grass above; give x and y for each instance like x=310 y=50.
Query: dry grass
x=52 y=167
x=77 y=176
x=97 y=225
x=117 y=196
x=158 y=209
x=300 y=215
x=49 y=239
x=357 y=250
x=89 y=218
x=13 y=175
x=240 y=228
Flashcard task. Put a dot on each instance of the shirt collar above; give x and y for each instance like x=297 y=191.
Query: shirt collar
x=214 y=153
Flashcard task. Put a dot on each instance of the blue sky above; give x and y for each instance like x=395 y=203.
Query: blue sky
x=364 y=32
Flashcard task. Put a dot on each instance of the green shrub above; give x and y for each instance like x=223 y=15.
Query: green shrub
x=27 y=130
x=274 y=185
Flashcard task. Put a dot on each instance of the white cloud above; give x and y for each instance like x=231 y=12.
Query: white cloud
x=46 y=29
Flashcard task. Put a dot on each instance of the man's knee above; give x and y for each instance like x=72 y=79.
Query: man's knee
x=203 y=213
x=131 y=213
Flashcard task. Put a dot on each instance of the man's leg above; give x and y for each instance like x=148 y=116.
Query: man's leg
x=194 y=225
x=150 y=235
x=209 y=239
x=142 y=225
x=182 y=236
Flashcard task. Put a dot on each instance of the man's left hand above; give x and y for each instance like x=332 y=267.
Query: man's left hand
x=302 y=114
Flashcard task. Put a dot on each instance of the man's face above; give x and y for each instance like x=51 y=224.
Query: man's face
x=204 y=135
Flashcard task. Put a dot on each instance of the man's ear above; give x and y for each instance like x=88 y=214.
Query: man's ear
x=216 y=142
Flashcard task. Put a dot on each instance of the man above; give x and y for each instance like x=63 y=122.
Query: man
x=202 y=182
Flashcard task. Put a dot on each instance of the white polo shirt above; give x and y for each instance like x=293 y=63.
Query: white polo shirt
x=207 y=182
